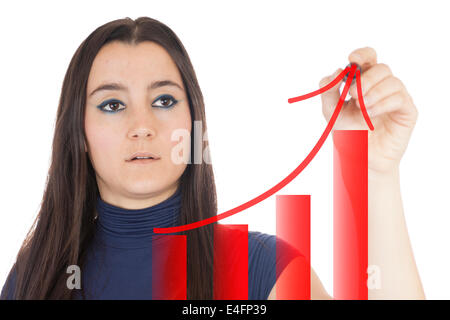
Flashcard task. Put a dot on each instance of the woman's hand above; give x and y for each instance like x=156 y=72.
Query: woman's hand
x=390 y=107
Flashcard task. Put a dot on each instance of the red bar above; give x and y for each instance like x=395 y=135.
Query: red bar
x=169 y=261
x=350 y=214
x=230 y=262
x=293 y=225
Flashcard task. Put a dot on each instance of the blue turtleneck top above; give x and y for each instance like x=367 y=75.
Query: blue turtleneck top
x=119 y=256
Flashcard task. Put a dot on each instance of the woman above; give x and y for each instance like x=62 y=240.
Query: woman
x=102 y=199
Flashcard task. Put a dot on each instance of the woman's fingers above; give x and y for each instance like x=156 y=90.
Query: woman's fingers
x=394 y=102
x=370 y=78
x=364 y=57
x=330 y=97
x=381 y=90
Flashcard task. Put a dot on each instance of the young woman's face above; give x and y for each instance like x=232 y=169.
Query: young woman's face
x=138 y=118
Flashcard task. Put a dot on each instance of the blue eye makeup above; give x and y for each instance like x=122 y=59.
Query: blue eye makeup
x=110 y=102
x=165 y=97
x=113 y=105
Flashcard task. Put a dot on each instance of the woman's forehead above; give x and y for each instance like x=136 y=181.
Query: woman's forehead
x=134 y=64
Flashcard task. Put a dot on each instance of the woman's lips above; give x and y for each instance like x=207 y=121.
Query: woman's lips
x=142 y=161
x=142 y=154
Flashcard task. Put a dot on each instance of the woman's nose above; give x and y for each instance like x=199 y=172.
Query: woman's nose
x=141 y=132
x=142 y=123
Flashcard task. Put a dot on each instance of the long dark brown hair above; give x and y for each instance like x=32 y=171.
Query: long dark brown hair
x=64 y=226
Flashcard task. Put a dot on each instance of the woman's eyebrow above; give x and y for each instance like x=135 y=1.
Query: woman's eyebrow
x=120 y=87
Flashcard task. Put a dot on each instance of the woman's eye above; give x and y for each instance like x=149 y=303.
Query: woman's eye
x=111 y=106
x=165 y=101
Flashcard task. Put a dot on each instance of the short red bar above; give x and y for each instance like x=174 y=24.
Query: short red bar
x=350 y=196
x=169 y=263
x=293 y=224
x=230 y=262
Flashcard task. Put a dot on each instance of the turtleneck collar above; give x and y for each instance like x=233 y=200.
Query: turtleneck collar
x=133 y=228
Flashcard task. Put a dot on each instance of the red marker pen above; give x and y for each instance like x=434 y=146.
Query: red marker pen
x=354 y=77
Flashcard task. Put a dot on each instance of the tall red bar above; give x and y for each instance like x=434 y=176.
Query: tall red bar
x=169 y=263
x=230 y=262
x=293 y=225
x=350 y=200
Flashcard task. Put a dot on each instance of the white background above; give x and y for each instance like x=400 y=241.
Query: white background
x=250 y=57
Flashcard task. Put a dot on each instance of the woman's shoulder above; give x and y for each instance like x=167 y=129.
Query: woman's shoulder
x=271 y=246
x=258 y=242
x=268 y=255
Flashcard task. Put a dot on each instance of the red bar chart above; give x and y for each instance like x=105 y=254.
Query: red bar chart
x=169 y=263
x=230 y=262
x=350 y=214
x=293 y=224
